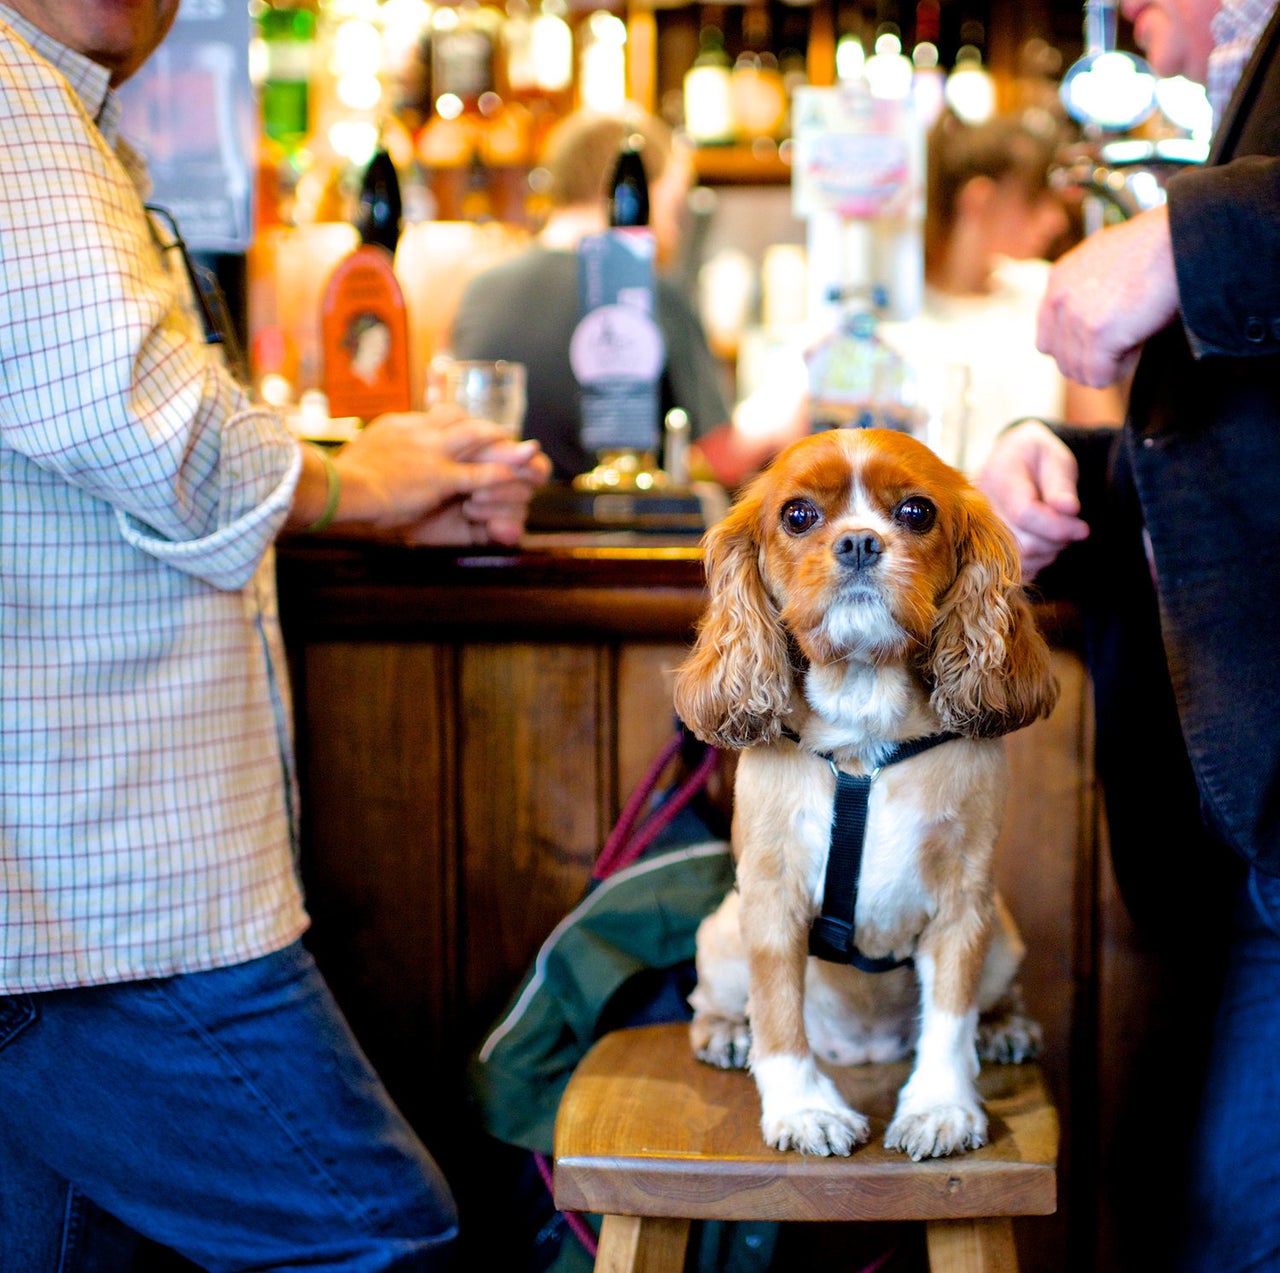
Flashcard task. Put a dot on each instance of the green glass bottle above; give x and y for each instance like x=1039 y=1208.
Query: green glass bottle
x=288 y=32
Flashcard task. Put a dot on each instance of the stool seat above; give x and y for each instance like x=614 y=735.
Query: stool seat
x=646 y=1130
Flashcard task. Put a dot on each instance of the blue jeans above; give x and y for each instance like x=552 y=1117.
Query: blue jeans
x=229 y=1115
x=1234 y=1211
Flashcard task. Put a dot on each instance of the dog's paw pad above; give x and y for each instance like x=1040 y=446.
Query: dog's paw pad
x=934 y=1133
x=825 y=1132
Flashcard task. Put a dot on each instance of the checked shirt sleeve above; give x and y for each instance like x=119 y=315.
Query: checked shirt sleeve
x=105 y=379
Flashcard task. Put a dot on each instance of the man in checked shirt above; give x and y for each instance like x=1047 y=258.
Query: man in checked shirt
x=171 y=1063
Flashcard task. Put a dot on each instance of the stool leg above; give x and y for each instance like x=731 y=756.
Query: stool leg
x=642 y=1244
x=971 y=1246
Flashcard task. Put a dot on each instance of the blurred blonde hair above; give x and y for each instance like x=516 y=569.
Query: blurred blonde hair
x=581 y=150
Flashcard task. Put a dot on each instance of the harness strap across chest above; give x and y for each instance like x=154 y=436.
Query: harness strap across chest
x=831 y=936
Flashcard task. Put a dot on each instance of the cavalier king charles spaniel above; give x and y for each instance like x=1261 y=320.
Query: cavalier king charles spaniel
x=863 y=596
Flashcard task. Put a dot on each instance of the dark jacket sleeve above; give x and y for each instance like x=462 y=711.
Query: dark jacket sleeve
x=1225 y=226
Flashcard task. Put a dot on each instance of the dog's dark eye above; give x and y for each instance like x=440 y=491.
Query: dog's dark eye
x=798 y=516
x=916 y=513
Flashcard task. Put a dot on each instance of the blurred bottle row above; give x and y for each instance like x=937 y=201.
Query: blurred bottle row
x=447 y=90
x=463 y=94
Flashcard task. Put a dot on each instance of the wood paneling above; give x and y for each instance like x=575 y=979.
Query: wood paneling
x=534 y=776
x=377 y=807
x=645 y=675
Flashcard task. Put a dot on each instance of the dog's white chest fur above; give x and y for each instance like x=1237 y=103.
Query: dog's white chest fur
x=855 y=709
x=858 y=708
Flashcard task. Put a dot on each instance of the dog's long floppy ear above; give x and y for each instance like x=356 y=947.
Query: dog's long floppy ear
x=989 y=663
x=735 y=685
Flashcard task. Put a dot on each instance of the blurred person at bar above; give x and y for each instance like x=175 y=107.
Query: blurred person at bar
x=526 y=309
x=1168 y=533
x=171 y=1063
x=991 y=222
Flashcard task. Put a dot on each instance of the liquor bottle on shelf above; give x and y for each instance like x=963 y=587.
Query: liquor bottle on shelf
x=928 y=82
x=552 y=48
x=602 y=62
x=380 y=210
x=285 y=48
x=537 y=48
x=444 y=148
x=363 y=318
x=406 y=39
x=536 y=79
x=889 y=72
x=851 y=51
x=463 y=52
x=448 y=139
x=758 y=97
x=520 y=77
x=629 y=189
x=708 y=92
x=799 y=58
x=617 y=351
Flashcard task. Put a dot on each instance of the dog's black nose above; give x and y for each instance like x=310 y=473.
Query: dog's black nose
x=859 y=550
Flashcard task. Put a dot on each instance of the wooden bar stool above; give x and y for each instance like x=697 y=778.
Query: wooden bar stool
x=651 y=1139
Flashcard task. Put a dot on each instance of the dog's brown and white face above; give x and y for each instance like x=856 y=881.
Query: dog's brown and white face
x=862 y=544
x=861 y=593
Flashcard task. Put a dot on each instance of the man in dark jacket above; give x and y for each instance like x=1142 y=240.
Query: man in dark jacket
x=1187 y=497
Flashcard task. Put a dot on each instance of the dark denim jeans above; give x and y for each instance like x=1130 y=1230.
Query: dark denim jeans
x=1234 y=1214
x=229 y=1115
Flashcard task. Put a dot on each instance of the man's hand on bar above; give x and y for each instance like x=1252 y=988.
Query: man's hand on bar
x=435 y=477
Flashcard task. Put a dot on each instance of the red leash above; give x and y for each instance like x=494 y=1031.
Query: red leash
x=624 y=844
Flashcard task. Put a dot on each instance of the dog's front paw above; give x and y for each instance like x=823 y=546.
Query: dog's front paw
x=1009 y=1038
x=937 y=1131
x=827 y=1132
x=801 y=1109
x=720 y=1041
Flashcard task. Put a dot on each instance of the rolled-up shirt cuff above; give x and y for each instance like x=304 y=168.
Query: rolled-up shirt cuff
x=228 y=557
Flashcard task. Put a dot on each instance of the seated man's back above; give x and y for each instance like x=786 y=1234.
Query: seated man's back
x=526 y=309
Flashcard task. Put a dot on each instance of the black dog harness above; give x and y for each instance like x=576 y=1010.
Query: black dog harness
x=831 y=936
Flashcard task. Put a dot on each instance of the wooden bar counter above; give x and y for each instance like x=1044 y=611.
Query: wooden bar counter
x=469 y=724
